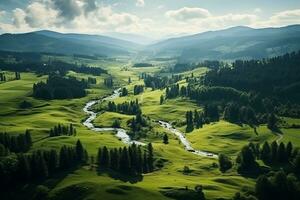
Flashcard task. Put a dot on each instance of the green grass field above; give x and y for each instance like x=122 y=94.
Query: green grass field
x=85 y=183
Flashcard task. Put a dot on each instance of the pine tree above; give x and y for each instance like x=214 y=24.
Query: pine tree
x=224 y=163
x=28 y=138
x=281 y=153
x=53 y=161
x=289 y=150
x=150 y=157
x=272 y=122
x=274 y=150
x=80 y=152
x=165 y=139
x=263 y=188
x=161 y=101
x=105 y=159
x=146 y=164
x=24 y=170
x=125 y=166
x=266 y=152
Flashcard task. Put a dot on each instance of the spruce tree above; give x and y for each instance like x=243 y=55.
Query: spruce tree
x=266 y=152
x=80 y=152
x=281 y=156
x=165 y=139
x=274 y=151
x=150 y=157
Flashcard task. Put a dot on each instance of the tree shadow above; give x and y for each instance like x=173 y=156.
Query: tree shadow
x=254 y=172
x=131 y=178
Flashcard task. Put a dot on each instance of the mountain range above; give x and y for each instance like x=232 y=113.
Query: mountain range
x=233 y=43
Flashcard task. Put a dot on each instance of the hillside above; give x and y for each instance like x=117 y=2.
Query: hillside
x=54 y=42
x=234 y=43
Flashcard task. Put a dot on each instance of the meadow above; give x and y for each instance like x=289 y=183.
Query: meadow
x=87 y=183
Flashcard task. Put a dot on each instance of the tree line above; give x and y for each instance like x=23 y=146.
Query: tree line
x=49 y=67
x=108 y=82
x=193 y=119
x=16 y=143
x=127 y=160
x=39 y=165
x=158 y=82
x=277 y=76
x=60 y=129
x=128 y=108
x=58 y=87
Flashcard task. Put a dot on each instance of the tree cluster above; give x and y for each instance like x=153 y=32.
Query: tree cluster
x=124 y=92
x=60 y=129
x=277 y=76
x=172 y=91
x=108 y=82
x=127 y=160
x=239 y=114
x=91 y=80
x=58 y=87
x=138 y=89
x=16 y=143
x=193 y=119
x=39 y=165
x=138 y=122
x=158 y=82
x=49 y=67
x=2 y=77
x=129 y=108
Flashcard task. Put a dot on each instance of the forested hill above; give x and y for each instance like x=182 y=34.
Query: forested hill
x=231 y=44
x=275 y=76
x=53 y=42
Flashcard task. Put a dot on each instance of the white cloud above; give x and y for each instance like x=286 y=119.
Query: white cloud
x=186 y=13
x=140 y=3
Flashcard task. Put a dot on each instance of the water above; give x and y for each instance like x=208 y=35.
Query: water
x=185 y=142
x=120 y=133
x=125 y=138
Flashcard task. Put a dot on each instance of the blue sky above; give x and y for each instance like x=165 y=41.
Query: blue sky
x=155 y=18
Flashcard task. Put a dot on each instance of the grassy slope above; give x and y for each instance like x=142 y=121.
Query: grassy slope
x=221 y=136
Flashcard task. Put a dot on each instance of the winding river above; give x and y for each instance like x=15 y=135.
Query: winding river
x=124 y=137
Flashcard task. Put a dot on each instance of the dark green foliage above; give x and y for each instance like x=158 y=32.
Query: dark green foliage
x=211 y=112
x=265 y=154
x=161 y=100
x=108 y=82
x=185 y=193
x=172 y=91
x=20 y=143
x=58 y=87
x=129 y=160
x=124 y=92
x=2 y=77
x=60 y=129
x=129 y=108
x=244 y=75
x=92 y=80
x=38 y=165
x=246 y=159
x=272 y=122
x=138 y=89
x=49 y=67
x=224 y=163
x=25 y=104
x=17 y=76
x=116 y=123
x=189 y=121
x=165 y=139
x=157 y=82
x=138 y=122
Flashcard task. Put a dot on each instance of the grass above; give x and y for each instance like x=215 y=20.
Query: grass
x=84 y=183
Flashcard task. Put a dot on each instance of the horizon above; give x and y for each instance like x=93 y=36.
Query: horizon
x=155 y=19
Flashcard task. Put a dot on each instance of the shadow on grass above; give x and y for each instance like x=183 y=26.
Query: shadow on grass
x=131 y=178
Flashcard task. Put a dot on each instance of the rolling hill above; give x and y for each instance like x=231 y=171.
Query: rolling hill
x=234 y=43
x=54 y=42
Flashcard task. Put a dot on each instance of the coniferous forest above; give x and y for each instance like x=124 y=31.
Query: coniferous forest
x=149 y=100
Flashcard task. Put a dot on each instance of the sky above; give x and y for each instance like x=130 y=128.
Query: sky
x=151 y=18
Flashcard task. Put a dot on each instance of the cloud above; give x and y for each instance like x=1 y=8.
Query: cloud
x=40 y=15
x=68 y=9
x=186 y=13
x=140 y=3
x=289 y=16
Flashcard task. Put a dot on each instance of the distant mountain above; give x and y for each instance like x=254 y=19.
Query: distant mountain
x=54 y=42
x=229 y=44
x=136 y=38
